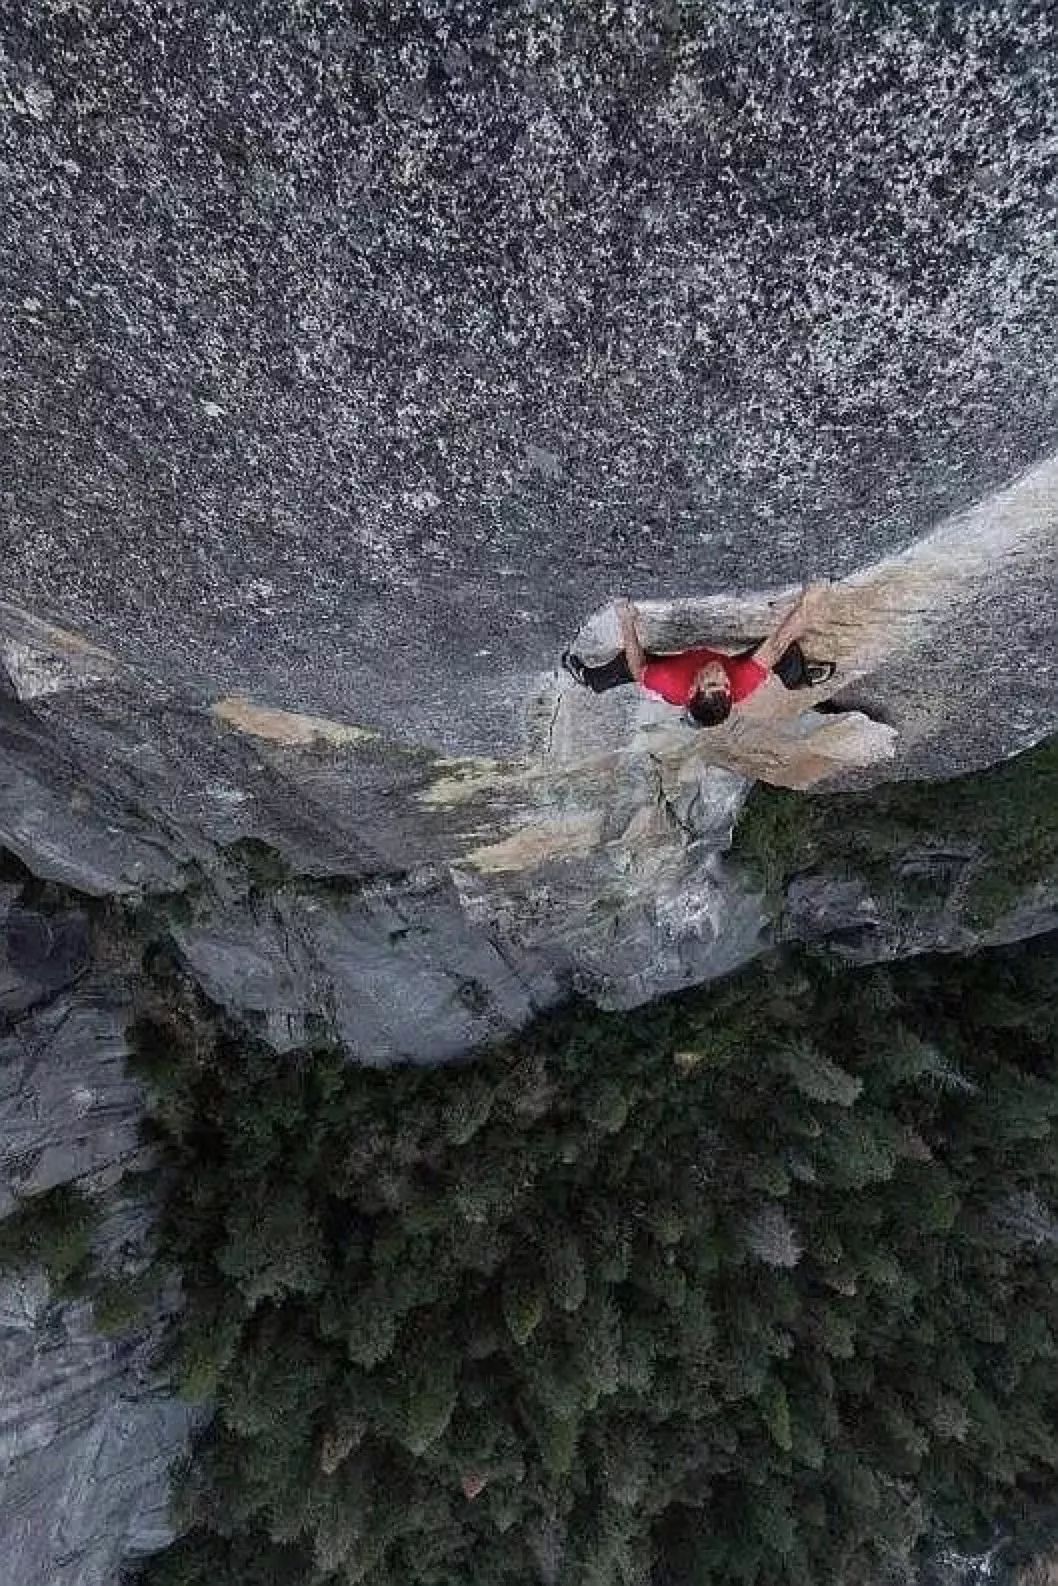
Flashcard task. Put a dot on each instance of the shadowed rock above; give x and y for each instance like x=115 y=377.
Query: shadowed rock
x=88 y=1431
x=39 y=953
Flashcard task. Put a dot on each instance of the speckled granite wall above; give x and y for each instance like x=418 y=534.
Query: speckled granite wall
x=345 y=345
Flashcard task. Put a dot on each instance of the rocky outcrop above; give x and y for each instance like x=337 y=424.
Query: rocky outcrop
x=40 y=954
x=88 y=1435
x=923 y=910
x=337 y=406
x=424 y=893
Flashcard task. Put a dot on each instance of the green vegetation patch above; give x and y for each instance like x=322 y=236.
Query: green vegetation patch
x=53 y=1231
x=1005 y=818
x=753 y=1285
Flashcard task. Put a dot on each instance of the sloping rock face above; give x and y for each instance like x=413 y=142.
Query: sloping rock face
x=88 y=1440
x=854 y=923
x=88 y=1431
x=353 y=364
x=450 y=897
x=351 y=361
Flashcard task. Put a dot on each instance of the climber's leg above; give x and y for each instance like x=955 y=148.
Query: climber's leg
x=795 y=670
x=790 y=667
x=598 y=678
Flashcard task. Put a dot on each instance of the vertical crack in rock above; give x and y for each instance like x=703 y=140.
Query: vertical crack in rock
x=666 y=804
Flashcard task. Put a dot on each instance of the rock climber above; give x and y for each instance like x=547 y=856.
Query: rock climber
x=706 y=682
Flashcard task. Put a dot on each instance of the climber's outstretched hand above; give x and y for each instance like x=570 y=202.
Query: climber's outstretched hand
x=793 y=626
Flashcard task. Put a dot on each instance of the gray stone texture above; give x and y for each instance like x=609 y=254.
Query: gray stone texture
x=69 y=1110
x=857 y=924
x=350 y=365
x=394 y=972
x=88 y=1429
x=351 y=359
x=87 y=1437
x=39 y=953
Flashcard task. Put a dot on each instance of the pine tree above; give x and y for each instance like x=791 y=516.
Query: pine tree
x=775 y=1409
x=597 y=1347
x=556 y=1438
x=370 y=1326
x=772 y=1238
x=523 y=1304
x=765 y=1330
x=567 y=1281
x=467 y=1110
x=430 y=1397
x=605 y=1106
x=817 y=1076
x=274 y=1245
x=627 y=1463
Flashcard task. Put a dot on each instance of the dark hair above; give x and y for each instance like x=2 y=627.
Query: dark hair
x=709 y=710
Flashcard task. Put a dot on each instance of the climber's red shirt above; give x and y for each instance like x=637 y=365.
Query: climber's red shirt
x=672 y=676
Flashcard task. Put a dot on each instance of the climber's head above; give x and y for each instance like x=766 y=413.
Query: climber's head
x=710 y=704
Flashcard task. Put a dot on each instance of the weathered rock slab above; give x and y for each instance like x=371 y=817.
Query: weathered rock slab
x=87 y=1438
x=88 y=1431
x=69 y=1109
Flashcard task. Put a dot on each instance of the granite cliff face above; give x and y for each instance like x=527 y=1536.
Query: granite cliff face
x=88 y=1429
x=342 y=348
x=350 y=363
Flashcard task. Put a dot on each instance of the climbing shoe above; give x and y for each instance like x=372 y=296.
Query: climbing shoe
x=817 y=672
x=575 y=667
x=795 y=670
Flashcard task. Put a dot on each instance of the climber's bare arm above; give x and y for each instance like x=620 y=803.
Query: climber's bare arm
x=793 y=626
x=626 y=622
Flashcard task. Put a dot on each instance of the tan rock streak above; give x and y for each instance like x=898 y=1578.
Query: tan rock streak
x=570 y=837
x=288 y=728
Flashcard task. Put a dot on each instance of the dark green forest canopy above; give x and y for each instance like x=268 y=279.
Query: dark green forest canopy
x=754 y=1285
